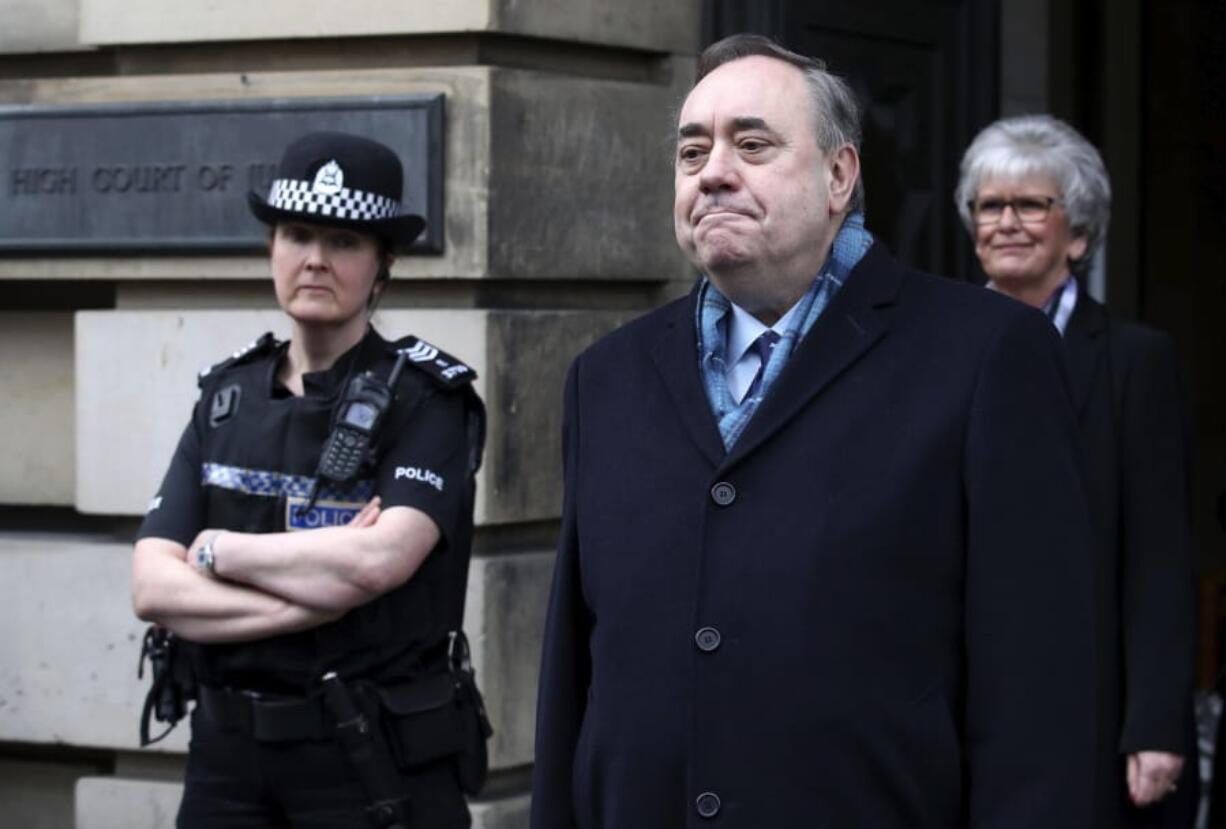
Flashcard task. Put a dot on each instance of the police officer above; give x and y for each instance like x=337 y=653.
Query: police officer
x=273 y=570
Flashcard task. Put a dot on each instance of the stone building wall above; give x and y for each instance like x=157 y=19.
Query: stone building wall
x=557 y=191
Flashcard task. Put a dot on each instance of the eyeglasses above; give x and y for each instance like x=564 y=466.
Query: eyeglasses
x=1028 y=209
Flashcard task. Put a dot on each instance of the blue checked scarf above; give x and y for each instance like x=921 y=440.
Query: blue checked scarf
x=714 y=309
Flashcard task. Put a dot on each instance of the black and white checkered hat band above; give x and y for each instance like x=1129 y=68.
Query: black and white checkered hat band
x=297 y=196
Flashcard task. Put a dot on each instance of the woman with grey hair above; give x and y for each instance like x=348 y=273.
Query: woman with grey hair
x=1036 y=198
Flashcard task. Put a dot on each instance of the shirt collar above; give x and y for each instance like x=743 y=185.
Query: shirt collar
x=327 y=382
x=1059 y=307
x=744 y=329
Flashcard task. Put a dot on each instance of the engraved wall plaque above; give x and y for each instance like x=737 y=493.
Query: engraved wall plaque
x=174 y=176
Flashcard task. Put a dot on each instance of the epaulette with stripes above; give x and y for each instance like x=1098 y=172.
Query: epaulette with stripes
x=264 y=345
x=444 y=369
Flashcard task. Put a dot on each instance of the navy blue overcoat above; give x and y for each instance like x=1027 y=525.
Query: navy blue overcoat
x=874 y=611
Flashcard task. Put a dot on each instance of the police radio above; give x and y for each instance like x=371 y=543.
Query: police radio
x=361 y=411
x=355 y=425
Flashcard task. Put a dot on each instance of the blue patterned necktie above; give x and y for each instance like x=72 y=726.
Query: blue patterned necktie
x=763 y=346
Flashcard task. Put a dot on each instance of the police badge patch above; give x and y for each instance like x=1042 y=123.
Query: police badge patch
x=329 y=179
x=447 y=370
x=321 y=514
x=225 y=404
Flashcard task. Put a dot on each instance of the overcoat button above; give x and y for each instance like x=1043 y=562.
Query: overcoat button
x=723 y=493
x=707 y=804
x=708 y=639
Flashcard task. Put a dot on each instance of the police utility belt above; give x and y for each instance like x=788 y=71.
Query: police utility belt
x=434 y=718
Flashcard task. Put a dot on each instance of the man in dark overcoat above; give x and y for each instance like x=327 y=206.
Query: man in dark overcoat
x=823 y=559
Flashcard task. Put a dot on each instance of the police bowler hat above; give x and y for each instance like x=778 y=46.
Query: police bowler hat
x=331 y=178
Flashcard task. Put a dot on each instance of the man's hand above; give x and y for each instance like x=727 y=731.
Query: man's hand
x=1152 y=775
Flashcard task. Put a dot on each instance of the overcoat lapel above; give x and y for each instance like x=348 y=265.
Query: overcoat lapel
x=1084 y=345
x=676 y=357
x=851 y=325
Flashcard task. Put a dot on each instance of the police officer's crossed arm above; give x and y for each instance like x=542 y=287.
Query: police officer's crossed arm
x=264 y=584
x=422 y=481
x=330 y=568
x=169 y=590
x=270 y=583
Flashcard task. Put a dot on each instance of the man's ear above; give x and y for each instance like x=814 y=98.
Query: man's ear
x=844 y=173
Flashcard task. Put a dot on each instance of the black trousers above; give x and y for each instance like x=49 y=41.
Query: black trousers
x=235 y=782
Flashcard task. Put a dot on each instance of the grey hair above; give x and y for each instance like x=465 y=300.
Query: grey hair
x=834 y=103
x=1042 y=145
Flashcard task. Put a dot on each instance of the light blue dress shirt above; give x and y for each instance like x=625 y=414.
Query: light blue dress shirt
x=743 y=329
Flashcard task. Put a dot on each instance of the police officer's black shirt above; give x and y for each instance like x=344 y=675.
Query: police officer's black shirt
x=246 y=462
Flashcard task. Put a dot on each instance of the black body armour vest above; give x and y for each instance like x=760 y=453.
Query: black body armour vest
x=260 y=449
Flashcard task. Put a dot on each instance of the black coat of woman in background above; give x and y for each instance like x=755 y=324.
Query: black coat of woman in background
x=1036 y=198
